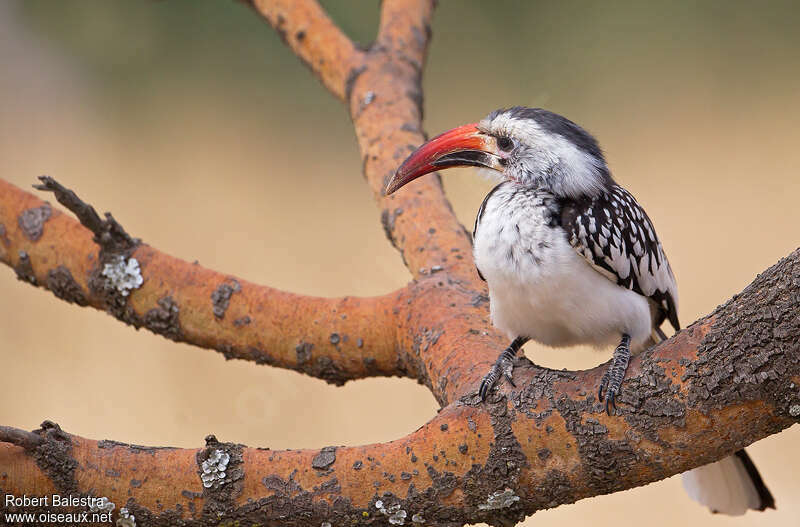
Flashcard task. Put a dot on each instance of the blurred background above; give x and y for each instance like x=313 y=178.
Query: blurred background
x=209 y=140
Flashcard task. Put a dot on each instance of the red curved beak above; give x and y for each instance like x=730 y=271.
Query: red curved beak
x=462 y=146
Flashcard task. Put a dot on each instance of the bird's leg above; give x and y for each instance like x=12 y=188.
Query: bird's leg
x=504 y=366
x=612 y=380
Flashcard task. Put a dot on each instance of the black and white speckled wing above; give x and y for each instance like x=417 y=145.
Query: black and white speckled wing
x=617 y=238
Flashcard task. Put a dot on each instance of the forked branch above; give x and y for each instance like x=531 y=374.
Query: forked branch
x=726 y=381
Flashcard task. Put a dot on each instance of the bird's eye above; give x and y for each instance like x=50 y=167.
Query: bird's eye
x=505 y=143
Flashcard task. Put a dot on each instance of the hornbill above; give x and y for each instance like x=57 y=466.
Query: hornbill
x=570 y=257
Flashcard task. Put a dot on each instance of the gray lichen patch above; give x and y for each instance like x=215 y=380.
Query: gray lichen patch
x=221 y=297
x=122 y=274
x=32 y=221
x=126 y=519
x=221 y=471
x=103 y=504
x=394 y=513
x=213 y=468
x=325 y=458
x=499 y=500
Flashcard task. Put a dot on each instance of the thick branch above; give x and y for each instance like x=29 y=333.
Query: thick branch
x=304 y=27
x=386 y=106
x=447 y=309
x=724 y=382
x=335 y=339
x=384 y=92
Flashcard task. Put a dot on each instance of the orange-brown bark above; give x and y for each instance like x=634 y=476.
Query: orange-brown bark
x=703 y=394
x=333 y=338
x=386 y=105
x=315 y=39
x=693 y=399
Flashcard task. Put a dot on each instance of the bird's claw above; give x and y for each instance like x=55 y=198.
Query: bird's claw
x=504 y=367
x=610 y=394
x=486 y=385
x=611 y=382
x=610 y=404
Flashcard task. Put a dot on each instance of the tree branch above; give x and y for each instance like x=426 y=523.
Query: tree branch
x=315 y=39
x=386 y=105
x=336 y=339
x=22 y=438
x=726 y=381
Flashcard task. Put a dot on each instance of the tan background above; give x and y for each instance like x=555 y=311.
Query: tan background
x=207 y=139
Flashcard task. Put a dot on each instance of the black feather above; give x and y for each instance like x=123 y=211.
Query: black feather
x=617 y=213
x=556 y=124
x=766 y=501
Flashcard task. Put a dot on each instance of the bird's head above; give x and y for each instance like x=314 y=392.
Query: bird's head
x=531 y=147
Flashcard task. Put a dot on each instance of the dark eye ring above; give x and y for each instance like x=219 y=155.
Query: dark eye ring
x=505 y=143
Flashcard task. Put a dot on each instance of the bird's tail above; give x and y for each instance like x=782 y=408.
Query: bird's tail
x=730 y=486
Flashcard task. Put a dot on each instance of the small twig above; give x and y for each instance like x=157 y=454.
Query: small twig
x=108 y=233
x=19 y=437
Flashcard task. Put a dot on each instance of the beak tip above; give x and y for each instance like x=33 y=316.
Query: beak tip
x=392 y=185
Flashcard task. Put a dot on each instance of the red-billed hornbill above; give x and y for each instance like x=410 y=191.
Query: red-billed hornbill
x=571 y=258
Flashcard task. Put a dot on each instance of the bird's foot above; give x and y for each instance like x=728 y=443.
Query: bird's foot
x=612 y=379
x=505 y=367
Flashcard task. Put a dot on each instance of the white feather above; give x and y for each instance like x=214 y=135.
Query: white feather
x=540 y=287
x=575 y=171
x=723 y=487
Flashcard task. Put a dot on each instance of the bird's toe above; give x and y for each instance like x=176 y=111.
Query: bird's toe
x=508 y=372
x=610 y=404
x=484 y=389
x=486 y=385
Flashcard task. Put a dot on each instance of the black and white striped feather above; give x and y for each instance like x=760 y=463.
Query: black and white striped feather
x=615 y=235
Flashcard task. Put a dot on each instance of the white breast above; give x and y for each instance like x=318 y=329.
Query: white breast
x=540 y=287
